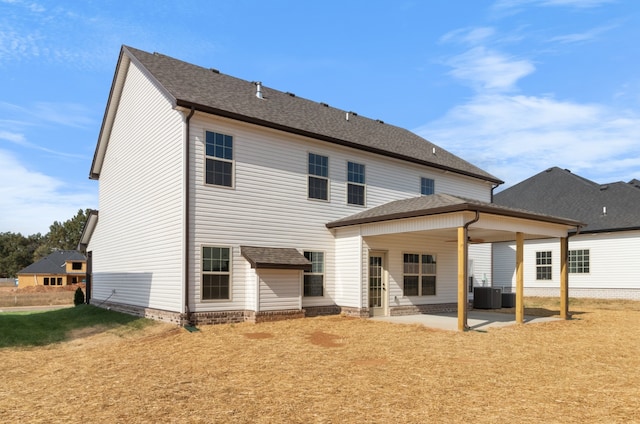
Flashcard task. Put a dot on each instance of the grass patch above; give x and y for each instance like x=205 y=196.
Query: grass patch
x=46 y=327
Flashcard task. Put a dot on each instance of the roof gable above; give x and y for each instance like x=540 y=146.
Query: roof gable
x=207 y=90
x=556 y=191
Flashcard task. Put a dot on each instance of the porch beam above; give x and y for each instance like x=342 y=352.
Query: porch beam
x=564 y=278
x=519 y=278
x=462 y=284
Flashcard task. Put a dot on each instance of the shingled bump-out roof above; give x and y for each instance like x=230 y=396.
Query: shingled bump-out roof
x=190 y=86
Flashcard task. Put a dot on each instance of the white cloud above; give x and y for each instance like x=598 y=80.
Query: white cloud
x=582 y=36
x=32 y=201
x=487 y=69
x=515 y=137
x=472 y=36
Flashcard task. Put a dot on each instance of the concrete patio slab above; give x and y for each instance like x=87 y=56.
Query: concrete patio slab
x=476 y=320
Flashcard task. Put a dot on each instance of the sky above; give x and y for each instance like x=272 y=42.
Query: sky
x=512 y=86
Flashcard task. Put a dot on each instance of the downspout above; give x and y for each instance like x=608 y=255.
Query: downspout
x=466 y=266
x=187 y=313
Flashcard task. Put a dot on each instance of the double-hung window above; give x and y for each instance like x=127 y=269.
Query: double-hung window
x=419 y=274
x=216 y=273
x=579 y=261
x=355 y=184
x=427 y=186
x=543 y=265
x=314 y=279
x=219 y=159
x=318 y=177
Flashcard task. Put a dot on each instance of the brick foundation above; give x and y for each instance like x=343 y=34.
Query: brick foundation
x=155 y=314
x=316 y=311
x=355 y=312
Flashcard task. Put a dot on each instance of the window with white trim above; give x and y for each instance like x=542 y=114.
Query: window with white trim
x=355 y=184
x=314 y=279
x=318 y=177
x=219 y=159
x=579 y=261
x=427 y=186
x=216 y=273
x=419 y=274
x=543 y=265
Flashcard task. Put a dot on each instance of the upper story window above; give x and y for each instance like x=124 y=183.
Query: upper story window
x=318 y=177
x=543 y=265
x=355 y=184
x=219 y=159
x=76 y=265
x=579 y=261
x=427 y=186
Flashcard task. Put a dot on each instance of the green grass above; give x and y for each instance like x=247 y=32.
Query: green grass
x=46 y=327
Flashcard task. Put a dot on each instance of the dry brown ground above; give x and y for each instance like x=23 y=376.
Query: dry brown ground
x=38 y=295
x=334 y=370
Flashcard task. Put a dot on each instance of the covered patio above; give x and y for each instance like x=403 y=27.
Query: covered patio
x=439 y=219
x=476 y=320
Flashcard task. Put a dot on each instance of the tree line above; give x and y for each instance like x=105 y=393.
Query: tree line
x=18 y=251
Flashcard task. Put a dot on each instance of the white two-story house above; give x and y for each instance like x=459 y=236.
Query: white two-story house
x=223 y=200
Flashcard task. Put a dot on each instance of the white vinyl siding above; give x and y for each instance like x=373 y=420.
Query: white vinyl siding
x=613 y=265
x=137 y=244
x=279 y=289
x=270 y=206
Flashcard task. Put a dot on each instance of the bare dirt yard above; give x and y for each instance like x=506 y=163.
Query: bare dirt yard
x=336 y=370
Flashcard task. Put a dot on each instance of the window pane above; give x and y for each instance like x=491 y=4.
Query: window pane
x=318 y=188
x=219 y=172
x=215 y=286
x=355 y=194
x=429 y=285
x=427 y=186
x=355 y=173
x=318 y=165
x=411 y=263
x=313 y=285
x=428 y=264
x=215 y=259
x=317 y=261
x=219 y=145
x=411 y=285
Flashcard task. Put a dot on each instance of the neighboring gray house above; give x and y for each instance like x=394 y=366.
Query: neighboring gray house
x=223 y=200
x=604 y=259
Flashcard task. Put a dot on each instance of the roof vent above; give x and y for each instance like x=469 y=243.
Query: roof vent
x=380 y=121
x=604 y=187
x=604 y=211
x=258 y=89
x=290 y=94
x=214 y=70
x=433 y=150
x=324 y=104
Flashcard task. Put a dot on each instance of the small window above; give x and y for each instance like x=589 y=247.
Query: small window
x=219 y=159
x=419 y=275
x=216 y=273
x=59 y=281
x=318 y=177
x=76 y=265
x=314 y=279
x=579 y=261
x=46 y=281
x=427 y=186
x=356 y=184
x=543 y=265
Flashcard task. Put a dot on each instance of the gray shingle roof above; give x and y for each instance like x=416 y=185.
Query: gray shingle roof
x=437 y=204
x=557 y=191
x=212 y=92
x=54 y=263
x=275 y=258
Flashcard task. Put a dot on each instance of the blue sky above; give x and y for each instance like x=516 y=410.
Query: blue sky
x=513 y=86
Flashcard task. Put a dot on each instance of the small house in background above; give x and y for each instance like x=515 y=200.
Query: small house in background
x=60 y=268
